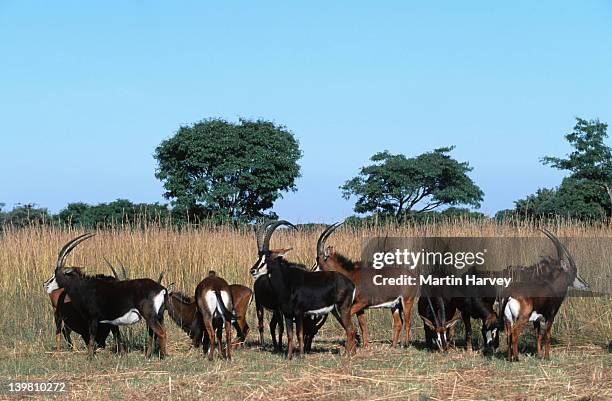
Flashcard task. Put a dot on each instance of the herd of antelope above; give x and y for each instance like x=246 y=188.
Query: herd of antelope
x=95 y=305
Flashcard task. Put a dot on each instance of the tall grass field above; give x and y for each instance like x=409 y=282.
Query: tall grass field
x=580 y=366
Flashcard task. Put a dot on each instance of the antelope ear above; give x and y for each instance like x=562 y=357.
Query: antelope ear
x=281 y=253
x=452 y=322
x=428 y=322
x=563 y=264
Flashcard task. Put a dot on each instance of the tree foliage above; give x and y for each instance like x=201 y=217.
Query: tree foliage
x=591 y=158
x=120 y=211
x=574 y=198
x=221 y=170
x=24 y=215
x=395 y=185
x=586 y=193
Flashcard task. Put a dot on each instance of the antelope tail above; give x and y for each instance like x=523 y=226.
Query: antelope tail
x=228 y=315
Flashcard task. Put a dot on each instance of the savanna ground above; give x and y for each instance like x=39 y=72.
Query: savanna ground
x=580 y=366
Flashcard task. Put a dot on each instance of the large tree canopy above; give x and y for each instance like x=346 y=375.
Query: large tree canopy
x=218 y=169
x=395 y=184
x=591 y=158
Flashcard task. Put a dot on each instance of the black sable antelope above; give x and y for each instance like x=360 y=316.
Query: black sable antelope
x=478 y=303
x=184 y=311
x=398 y=298
x=265 y=298
x=112 y=302
x=68 y=319
x=214 y=301
x=434 y=312
x=300 y=292
x=539 y=300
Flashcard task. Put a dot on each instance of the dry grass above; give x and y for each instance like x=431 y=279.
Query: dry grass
x=580 y=364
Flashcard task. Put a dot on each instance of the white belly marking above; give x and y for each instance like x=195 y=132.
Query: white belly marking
x=390 y=304
x=131 y=317
x=321 y=311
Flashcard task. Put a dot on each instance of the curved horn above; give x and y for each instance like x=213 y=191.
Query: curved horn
x=261 y=231
x=65 y=251
x=123 y=269
x=324 y=236
x=571 y=259
x=111 y=267
x=160 y=278
x=265 y=246
x=433 y=312
x=555 y=240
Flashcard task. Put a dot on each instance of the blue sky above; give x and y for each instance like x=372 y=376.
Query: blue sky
x=87 y=91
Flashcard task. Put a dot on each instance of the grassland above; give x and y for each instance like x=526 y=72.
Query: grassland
x=580 y=367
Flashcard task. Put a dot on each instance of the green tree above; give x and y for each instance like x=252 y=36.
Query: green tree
x=120 y=211
x=574 y=198
x=395 y=185
x=25 y=215
x=218 y=169
x=591 y=158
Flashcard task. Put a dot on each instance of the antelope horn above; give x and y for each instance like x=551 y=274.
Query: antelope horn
x=161 y=277
x=570 y=258
x=443 y=308
x=433 y=312
x=558 y=245
x=323 y=238
x=112 y=268
x=261 y=231
x=65 y=251
x=265 y=247
x=123 y=269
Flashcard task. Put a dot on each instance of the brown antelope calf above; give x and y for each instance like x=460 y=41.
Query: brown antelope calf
x=183 y=310
x=399 y=298
x=214 y=301
x=539 y=300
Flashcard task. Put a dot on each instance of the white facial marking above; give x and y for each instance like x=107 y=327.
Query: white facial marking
x=439 y=341
x=130 y=317
x=51 y=285
x=261 y=269
x=579 y=284
x=489 y=336
x=390 y=304
x=322 y=311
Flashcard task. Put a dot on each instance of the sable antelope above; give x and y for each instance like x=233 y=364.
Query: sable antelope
x=434 y=312
x=539 y=300
x=184 y=311
x=214 y=301
x=112 y=302
x=68 y=319
x=300 y=292
x=398 y=298
x=265 y=298
x=477 y=303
